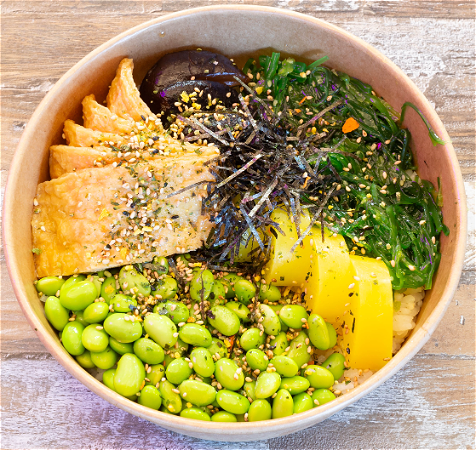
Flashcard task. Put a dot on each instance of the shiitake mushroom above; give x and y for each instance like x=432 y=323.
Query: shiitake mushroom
x=184 y=71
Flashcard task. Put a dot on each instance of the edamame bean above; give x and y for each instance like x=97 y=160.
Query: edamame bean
x=302 y=402
x=319 y=377
x=229 y=375
x=257 y=359
x=71 y=338
x=195 y=413
x=150 y=397
x=108 y=378
x=171 y=401
x=277 y=309
x=148 y=351
x=165 y=288
x=271 y=323
x=161 y=265
x=124 y=331
x=155 y=374
x=322 y=396
x=177 y=312
x=105 y=359
x=71 y=281
x=196 y=335
x=201 y=285
x=119 y=347
x=123 y=303
x=223 y=416
x=232 y=402
x=49 y=285
x=267 y=384
x=252 y=338
x=108 y=289
x=224 y=320
x=229 y=284
x=217 y=349
x=96 y=312
x=79 y=317
x=217 y=294
x=320 y=334
x=259 y=410
x=335 y=365
x=202 y=362
x=249 y=390
x=197 y=392
x=95 y=280
x=84 y=360
x=283 y=405
x=56 y=313
x=79 y=295
x=161 y=329
x=133 y=282
x=243 y=313
x=269 y=292
x=93 y=339
x=279 y=344
x=130 y=374
x=245 y=290
x=332 y=335
x=178 y=370
x=285 y=366
x=294 y=316
x=295 y=384
x=299 y=350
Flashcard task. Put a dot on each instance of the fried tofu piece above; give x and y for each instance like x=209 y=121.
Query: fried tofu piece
x=78 y=136
x=98 y=218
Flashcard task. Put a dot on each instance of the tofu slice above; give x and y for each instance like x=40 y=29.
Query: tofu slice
x=78 y=136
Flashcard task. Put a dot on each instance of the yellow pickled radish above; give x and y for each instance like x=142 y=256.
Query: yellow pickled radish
x=285 y=268
x=368 y=322
x=331 y=273
x=244 y=253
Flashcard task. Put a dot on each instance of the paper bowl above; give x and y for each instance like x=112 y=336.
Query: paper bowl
x=236 y=31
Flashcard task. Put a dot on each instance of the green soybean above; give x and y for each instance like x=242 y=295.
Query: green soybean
x=267 y=384
x=240 y=310
x=133 y=282
x=108 y=378
x=279 y=344
x=123 y=303
x=155 y=374
x=71 y=281
x=335 y=365
x=105 y=359
x=271 y=323
x=201 y=285
x=197 y=392
x=228 y=374
x=244 y=291
x=202 y=361
x=171 y=401
x=196 y=335
x=177 y=312
x=218 y=348
x=161 y=265
x=71 y=338
x=298 y=350
x=332 y=335
x=95 y=280
x=269 y=292
x=224 y=320
x=120 y=347
x=130 y=374
x=79 y=295
x=195 y=413
x=150 y=397
x=56 y=313
x=49 y=285
x=161 y=329
x=95 y=340
x=124 y=331
x=229 y=283
x=322 y=396
x=294 y=316
x=321 y=334
x=259 y=410
x=285 y=366
x=283 y=405
x=249 y=389
x=165 y=288
x=148 y=351
x=319 y=377
x=257 y=359
x=79 y=317
x=108 y=289
x=84 y=360
x=295 y=384
x=252 y=338
x=232 y=402
x=178 y=370
x=217 y=294
x=96 y=312
x=302 y=402
x=223 y=416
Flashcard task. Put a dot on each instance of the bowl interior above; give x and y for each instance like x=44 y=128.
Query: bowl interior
x=237 y=32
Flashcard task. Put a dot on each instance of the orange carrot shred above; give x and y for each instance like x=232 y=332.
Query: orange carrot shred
x=303 y=99
x=350 y=125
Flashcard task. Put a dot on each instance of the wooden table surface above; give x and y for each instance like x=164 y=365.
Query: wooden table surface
x=428 y=404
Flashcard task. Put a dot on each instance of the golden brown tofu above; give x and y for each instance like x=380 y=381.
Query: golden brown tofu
x=78 y=136
x=97 y=218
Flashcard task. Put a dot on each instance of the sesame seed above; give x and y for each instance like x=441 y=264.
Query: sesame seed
x=351 y=285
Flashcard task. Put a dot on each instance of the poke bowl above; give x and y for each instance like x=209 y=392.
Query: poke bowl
x=250 y=31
